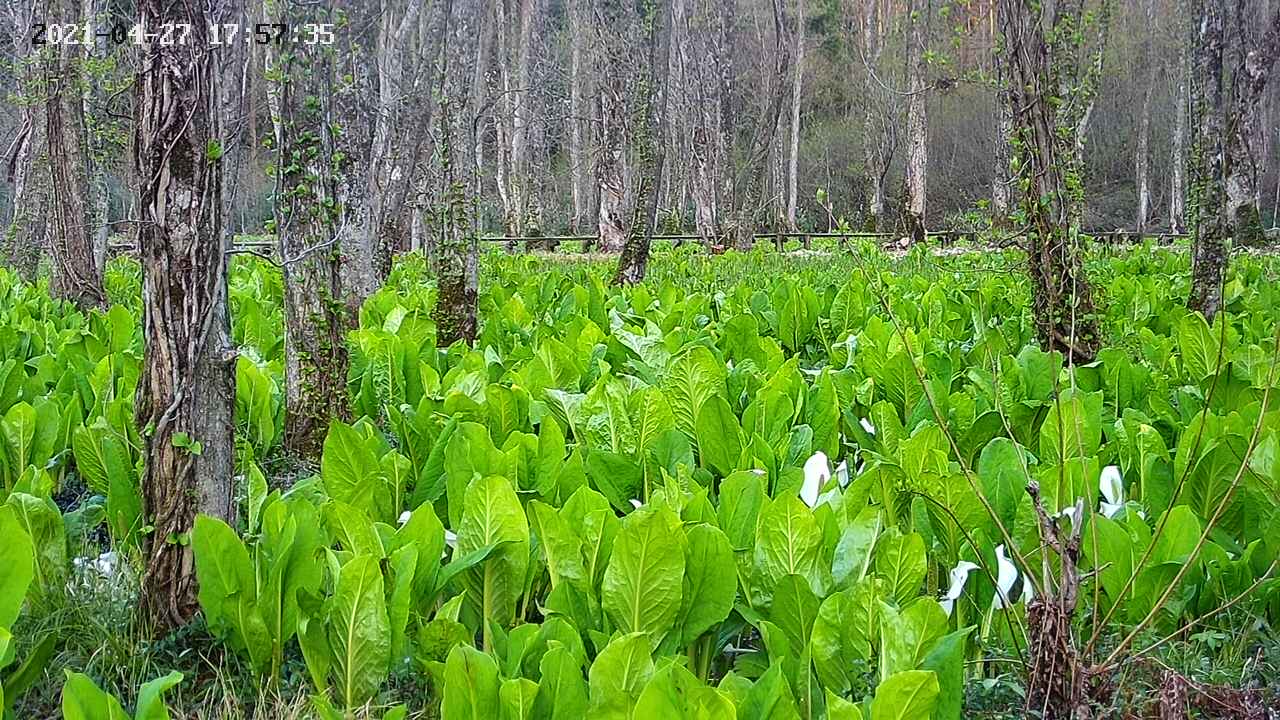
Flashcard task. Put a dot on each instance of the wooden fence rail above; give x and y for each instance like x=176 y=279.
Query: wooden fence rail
x=947 y=237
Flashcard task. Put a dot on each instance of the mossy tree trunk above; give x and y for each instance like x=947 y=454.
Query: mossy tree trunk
x=1044 y=49
x=457 y=274
x=652 y=109
x=1209 y=248
x=186 y=390
x=308 y=219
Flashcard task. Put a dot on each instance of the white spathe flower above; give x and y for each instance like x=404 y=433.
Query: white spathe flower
x=816 y=473
x=866 y=425
x=635 y=503
x=1112 y=486
x=404 y=517
x=842 y=473
x=450 y=539
x=959 y=576
x=758 y=471
x=1006 y=575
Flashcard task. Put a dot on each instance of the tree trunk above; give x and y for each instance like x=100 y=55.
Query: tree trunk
x=917 y=171
x=579 y=165
x=1040 y=62
x=651 y=97
x=457 y=279
x=1178 y=161
x=611 y=171
x=1142 y=157
x=879 y=129
x=1249 y=83
x=24 y=234
x=1001 y=182
x=706 y=106
x=307 y=218
x=187 y=387
x=1209 y=251
x=793 y=155
x=77 y=276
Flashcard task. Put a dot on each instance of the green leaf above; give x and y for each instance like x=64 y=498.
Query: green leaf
x=710 y=583
x=741 y=496
x=348 y=466
x=719 y=436
x=492 y=516
x=471 y=686
x=692 y=378
x=907 y=636
x=910 y=695
x=17 y=557
x=794 y=610
x=84 y=700
x=946 y=660
x=151 y=697
x=900 y=561
x=788 y=542
x=515 y=698
x=562 y=691
x=359 y=632
x=674 y=692
x=643 y=582
x=770 y=697
x=618 y=676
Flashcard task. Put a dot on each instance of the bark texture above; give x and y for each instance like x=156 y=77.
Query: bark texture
x=456 y=267
x=1242 y=149
x=186 y=391
x=651 y=143
x=917 y=171
x=1042 y=63
x=308 y=218
x=77 y=275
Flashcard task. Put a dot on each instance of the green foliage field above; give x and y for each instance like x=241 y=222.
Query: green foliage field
x=613 y=505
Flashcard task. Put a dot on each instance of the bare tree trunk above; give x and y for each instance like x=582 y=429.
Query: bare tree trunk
x=513 y=69
x=651 y=99
x=76 y=273
x=1001 y=181
x=457 y=267
x=705 y=103
x=749 y=181
x=880 y=122
x=1142 y=158
x=186 y=391
x=1041 y=61
x=578 y=163
x=308 y=222
x=611 y=99
x=1178 y=161
x=917 y=171
x=23 y=238
x=1241 y=168
x=793 y=156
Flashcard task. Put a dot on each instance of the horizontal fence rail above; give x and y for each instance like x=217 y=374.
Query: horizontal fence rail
x=947 y=237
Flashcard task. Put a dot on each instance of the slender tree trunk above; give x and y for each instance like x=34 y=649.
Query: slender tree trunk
x=1178 y=161
x=879 y=130
x=917 y=172
x=76 y=273
x=1001 y=181
x=1209 y=250
x=1062 y=299
x=652 y=100
x=186 y=390
x=457 y=272
x=95 y=12
x=705 y=103
x=793 y=155
x=578 y=163
x=1142 y=157
x=307 y=218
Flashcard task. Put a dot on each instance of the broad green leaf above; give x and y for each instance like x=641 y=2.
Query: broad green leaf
x=471 y=686
x=642 y=584
x=82 y=699
x=719 y=436
x=674 y=692
x=910 y=695
x=618 y=676
x=359 y=632
x=17 y=557
x=710 y=584
x=492 y=516
x=151 y=697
